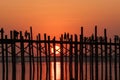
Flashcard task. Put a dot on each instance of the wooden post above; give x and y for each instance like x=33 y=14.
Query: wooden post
x=105 y=45
x=45 y=45
x=54 y=52
x=81 y=54
x=110 y=60
x=119 y=59
x=85 y=58
x=76 y=57
x=101 y=49
x=96 y=54
x=65 y=54
x=22 y=57
x=13 y=50
x=115 y=59
x=61 y=55
x=6 y=48
x=30 y=58
x=39 y=37
x=3 y=63
x=11 y=37
x=49 y=55
x=91 y=58
x=70 y=58
x=37 y=43
x=31 y=38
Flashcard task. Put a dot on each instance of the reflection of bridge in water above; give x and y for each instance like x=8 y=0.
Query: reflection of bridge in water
x=22 y=47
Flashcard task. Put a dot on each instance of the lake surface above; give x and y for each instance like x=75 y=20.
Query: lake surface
x=58 y=71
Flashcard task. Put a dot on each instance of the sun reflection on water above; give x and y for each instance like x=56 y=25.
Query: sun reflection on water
x=57 y=71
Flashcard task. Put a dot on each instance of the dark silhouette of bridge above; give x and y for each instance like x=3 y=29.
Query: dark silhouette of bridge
x=20 y=46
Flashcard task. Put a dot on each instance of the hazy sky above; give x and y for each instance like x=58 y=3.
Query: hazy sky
x=58 y=16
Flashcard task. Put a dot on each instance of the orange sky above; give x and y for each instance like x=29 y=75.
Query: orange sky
x=58 y=16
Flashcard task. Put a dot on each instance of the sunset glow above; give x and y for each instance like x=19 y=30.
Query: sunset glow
x=57 y=50
x=59 y=39
x=58 y=16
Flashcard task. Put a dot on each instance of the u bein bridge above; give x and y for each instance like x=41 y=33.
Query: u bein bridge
x=72 y=50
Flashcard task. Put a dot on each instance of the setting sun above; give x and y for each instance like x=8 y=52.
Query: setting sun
x=57 y=50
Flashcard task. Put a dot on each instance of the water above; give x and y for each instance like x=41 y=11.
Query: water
x=58 y=71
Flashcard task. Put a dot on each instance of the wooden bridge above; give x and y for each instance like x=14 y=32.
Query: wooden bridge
x=20 y=46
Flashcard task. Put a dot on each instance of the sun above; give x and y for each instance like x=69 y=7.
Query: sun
x=57 y=50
